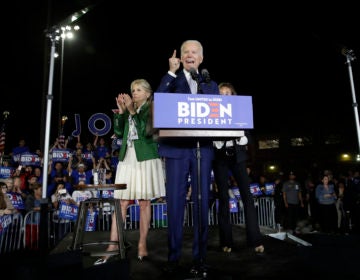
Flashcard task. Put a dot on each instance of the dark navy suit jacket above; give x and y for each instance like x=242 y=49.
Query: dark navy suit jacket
x=172 y=147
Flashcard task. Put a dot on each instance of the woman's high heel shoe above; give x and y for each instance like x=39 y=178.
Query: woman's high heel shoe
x=142 y=254
x=100 y=261
x=142 y=258
x=259 y=250
x=226 y=249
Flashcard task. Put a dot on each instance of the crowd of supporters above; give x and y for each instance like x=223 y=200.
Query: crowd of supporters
x=74 y=163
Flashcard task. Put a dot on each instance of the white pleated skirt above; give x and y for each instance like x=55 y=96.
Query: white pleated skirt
x=144 y=180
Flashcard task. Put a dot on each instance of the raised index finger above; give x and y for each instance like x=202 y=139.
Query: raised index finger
x=174 y=54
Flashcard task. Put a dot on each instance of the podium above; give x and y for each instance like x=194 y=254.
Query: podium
x=200 y=117
x=79 y=230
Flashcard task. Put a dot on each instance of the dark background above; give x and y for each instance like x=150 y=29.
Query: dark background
x=287 y=57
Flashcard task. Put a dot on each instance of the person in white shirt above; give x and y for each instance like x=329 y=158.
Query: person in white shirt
x=231 y=156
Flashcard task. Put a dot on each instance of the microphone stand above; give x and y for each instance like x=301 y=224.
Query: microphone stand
x=349 y=54
x=202 y=272
x=199 y=89
x=202 y=268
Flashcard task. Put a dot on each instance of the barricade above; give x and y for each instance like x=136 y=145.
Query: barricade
x=189 y=215
x=11 y=233
x=158 y=216
x=264 y=209
x=18 y=232
x=57 y=229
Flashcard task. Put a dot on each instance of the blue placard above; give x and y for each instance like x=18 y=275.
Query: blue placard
x=233 y=206
x=5 y=221
x=91 y=218
x=236 y=192
x=30 y=159
x=255 y=189
x=68 y=211
x=62 y=155
x=16 y=200
x=269 y=188
x=202 y=111
x=6 y=171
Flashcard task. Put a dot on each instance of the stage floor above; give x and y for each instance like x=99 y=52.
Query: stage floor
x=328 y=256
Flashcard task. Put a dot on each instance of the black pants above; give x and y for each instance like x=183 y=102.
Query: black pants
x=328 y=218
x=291 y=216
x=221 y=168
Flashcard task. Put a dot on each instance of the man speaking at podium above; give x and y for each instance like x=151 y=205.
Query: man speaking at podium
x=181 y=159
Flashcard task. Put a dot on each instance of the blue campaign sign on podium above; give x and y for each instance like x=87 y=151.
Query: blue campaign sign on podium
x=202 y=111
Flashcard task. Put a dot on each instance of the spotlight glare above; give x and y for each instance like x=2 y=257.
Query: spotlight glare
x=69 y=35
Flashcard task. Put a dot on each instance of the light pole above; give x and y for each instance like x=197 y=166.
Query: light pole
x=66 y=33
x=54 y=35
x=350 y=56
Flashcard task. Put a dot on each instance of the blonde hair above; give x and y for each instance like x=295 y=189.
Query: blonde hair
x=150 y=130
x=143 y=83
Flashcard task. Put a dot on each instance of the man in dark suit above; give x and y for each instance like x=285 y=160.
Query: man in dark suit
x=181 y=159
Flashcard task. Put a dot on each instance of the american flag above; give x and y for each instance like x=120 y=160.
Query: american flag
x=61 y=140
x=2 y=139
x=3 y=133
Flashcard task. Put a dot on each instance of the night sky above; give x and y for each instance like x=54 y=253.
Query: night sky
x=288 y=58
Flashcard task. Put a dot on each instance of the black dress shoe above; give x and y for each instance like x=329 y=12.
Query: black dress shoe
x=199 y=268
x=171 y=267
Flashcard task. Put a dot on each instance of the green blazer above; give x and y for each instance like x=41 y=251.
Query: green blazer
x=145 y=147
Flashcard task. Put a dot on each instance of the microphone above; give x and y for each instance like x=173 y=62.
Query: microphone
x=206 y=76
x=194 y=74
x=195 y=77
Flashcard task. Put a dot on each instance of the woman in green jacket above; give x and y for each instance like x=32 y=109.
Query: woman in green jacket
x=140 y=166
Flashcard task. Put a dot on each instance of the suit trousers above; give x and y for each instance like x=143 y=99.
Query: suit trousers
x=177 y=172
